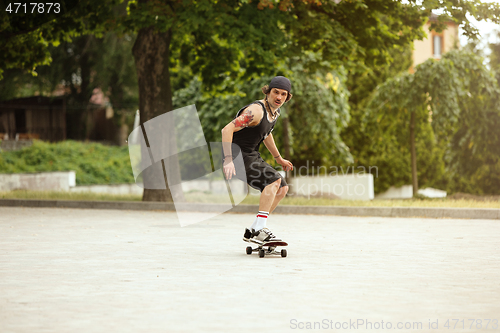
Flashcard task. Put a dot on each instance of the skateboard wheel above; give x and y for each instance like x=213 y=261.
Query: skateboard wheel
x=249 y=250
x=262 y=253
x=283 y=253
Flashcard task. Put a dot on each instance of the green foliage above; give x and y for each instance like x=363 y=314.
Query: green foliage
x=219 y=38
x=460 y=13
x=62 y=195
x=215 y=39
x=255 y=41
x=25 y=37
x=317 y=113
x=458 y=96
x=226 y=44
x=94 y=163
x=368 y=141
x=494 y=58
x=355 y=34
x=392 y=158
x=78 y=67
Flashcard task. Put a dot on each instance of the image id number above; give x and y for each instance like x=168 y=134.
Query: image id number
x=471 y=324
x=33 y=8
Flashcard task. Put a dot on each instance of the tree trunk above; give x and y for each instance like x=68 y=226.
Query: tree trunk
x=286 y=142
x=413 y=154
x=151 y=53
x=86 y=89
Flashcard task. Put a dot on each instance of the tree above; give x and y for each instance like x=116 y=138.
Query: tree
x=240 y=40
x=448 y=94
x=317 y=117
x=26 y=33
x=310 y=125
x=474 y=163
x=367 y=138
x=374 y=143
x=78 y=67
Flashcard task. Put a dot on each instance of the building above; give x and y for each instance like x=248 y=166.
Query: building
x=34 y=117
x=47 y=119
x=436 y=44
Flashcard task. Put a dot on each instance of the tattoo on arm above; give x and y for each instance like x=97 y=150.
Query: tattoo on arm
x=243 y=120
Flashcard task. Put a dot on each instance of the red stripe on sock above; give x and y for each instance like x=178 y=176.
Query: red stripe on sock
x=264 y=216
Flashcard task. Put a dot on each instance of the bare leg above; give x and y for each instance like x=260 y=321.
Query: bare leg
x=279 y=195
x=268 y=195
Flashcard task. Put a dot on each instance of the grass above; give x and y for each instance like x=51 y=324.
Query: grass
x=93 y=163
x=201 y=197
x=438 y=203
x=76 y=196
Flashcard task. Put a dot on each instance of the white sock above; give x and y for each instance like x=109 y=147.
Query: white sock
x=260 y=221
x=254 y=224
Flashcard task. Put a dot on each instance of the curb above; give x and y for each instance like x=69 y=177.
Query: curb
x=454 y=213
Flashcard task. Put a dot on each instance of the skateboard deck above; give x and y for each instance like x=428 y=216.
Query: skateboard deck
x=268 y=248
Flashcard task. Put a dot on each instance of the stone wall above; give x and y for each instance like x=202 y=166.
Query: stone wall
x=347 y=187
x=41 y=181
x=9 y=145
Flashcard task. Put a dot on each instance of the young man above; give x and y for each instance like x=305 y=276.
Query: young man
x=253 y=125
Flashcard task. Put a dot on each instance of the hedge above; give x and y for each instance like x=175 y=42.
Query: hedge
x=94 y=163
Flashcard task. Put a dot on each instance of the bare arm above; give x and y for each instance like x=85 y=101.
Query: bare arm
x=271 y=146
x=251 y=116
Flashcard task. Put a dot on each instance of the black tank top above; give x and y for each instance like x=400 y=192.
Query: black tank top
x=250 y=138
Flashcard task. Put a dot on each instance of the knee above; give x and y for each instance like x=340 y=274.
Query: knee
x=277 y=183
x=275 y=186
x=282 y=192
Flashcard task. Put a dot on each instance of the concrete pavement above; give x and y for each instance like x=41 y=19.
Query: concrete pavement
x=85 y=270
x=454 y=213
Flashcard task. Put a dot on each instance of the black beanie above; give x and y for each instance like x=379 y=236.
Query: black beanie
x=281 y=82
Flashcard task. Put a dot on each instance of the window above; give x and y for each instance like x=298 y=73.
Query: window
x=437 y=46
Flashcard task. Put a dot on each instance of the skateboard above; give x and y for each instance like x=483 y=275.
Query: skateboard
x=271 y=249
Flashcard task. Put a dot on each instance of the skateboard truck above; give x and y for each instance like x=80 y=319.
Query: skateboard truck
x=268 y=248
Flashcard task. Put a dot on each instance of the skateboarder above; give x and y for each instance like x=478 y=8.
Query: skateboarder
x=253 y=125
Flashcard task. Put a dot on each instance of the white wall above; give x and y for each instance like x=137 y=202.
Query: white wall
x=403 y=192
x=41 y=181
x=347 y=187
x=119 y=189
x=406 y=192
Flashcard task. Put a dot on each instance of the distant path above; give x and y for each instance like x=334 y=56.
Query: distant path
x=76 y=270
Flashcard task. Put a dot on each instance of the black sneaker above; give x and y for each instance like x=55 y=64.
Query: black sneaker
x=247 y=235
x=264 y=236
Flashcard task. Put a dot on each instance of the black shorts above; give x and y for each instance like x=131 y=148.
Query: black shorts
x=259 y=174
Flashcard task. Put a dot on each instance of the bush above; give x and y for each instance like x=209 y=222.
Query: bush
x=94 y=163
